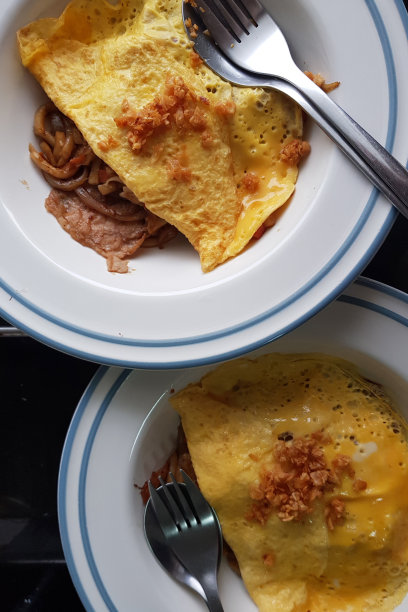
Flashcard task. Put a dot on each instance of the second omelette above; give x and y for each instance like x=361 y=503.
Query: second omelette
x=306 y=464
x=211 y=159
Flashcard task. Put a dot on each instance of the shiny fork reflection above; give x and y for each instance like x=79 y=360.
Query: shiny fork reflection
x=191 y=531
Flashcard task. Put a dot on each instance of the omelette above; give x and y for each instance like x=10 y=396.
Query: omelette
x=211 y=159
x=306 y=464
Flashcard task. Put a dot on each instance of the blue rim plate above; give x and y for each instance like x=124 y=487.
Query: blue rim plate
x=166 y=313
x=123 y=428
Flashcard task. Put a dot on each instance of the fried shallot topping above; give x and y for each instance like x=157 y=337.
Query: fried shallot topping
x=108 y=144
x=359 y=485
x=319 y=80
x=178 y=169
x=225 y=109
x=300 y=476
x=192 y=27
x=207 y=139
x=250 y=182
x=341 y=465
x=195 y=59
x=269 y=559
x=334 y=512
x=177 y=105
x=294 y=151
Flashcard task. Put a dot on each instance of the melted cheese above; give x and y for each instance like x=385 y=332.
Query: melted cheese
x=232 y=420
x=96 y=55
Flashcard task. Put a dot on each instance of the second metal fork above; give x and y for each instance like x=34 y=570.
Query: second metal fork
x=192 y=531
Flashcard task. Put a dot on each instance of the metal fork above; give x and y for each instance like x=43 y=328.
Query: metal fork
x=252 y=40
x=192 y=531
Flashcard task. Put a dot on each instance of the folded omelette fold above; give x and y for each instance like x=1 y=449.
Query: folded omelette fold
x=184 y=141
x=348 y=548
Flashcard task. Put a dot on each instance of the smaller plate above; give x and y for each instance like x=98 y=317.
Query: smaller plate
x=124 y=428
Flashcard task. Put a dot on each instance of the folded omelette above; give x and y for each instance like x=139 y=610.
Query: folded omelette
x=201 y=154
x=306 y=465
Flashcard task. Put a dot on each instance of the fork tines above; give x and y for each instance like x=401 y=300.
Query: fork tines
x=167 y=519
x=201 y=507
x=229 y=19
x=172 y=505
x=182 y=500
x=179 y=506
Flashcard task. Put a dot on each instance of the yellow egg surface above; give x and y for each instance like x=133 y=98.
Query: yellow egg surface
x=209 y=162
x=295 y=422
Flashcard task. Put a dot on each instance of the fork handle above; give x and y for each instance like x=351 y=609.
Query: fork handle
x=374 y=160
x=207 y=577
x=212 y=598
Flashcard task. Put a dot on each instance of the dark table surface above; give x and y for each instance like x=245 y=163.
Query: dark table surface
x=34 y=418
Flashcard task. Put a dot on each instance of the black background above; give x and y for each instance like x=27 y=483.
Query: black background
x=40 y=388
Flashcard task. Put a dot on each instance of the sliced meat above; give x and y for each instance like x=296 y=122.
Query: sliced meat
x=115 y=240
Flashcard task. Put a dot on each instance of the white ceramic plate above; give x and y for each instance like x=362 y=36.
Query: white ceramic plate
x=124 y=428
x=166 y=313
